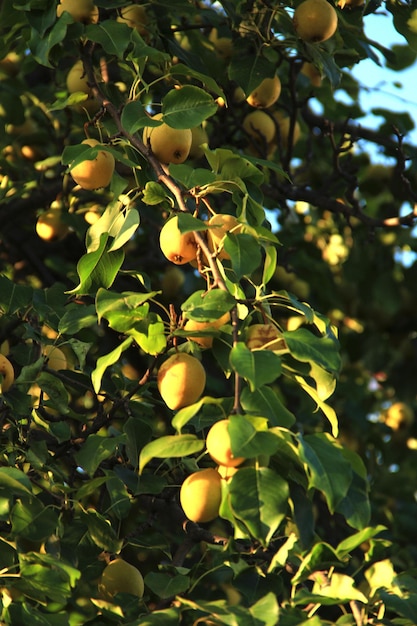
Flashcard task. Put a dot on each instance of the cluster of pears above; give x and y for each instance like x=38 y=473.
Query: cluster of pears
x=201 y=491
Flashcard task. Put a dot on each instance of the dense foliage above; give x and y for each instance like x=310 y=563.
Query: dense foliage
x=317 y=524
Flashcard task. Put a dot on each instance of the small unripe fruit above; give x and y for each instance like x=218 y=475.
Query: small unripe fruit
x=205 y=341
x=315 y=20
x=169 y=145
x=221 y=224
x=181 y=380
x=264 y=337
x=259 y=125
x=266 y=93
x=200 y=495
x=120 y=577
x=178 y=247
x=219 y=447
x=81 y=10
x=6 y=374
x=94 y=173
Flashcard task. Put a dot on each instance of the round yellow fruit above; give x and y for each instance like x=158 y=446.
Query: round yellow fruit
x=266 y=93
x=181 y=380
x=315 y=20
x=55 y=358
x=219 y=447
x=94 y=173
x=264 y=337
x=312 y=73
x=205 y=341
x=259 y=125
x=6 y=374
x=399 y=416
x=50 y=227
x=135 y=16
x=169 y=145
x=222 y=45
x=199 y=137
x=119 y=576
x=284 y=124
x=77 y=80
x=221 y=224
x=81 y=10
x=177 y=247
x=200 y=495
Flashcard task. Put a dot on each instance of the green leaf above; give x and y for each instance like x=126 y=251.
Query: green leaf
x=179 y=69
x=270 y=264
x=248 y=69
x=31 y=520
x=111 y=35
x=266 y=610
x=249 y=442
x=257 y=367
x=354 y=541
x=119 y=496
x=187 y=223
x=264 y=401
x=321 y=557
x=187 y=107
x=122 y=310
x=207 y=306
x=406 y=607
x=138 y=434
x=166 y=585
x=169 y=446
x=127 y=227
x=134 y=117
x=14 y=297
x=184 y=415
x=15 y=482
x=259 y=499
x=328 y=470
x=154 y=193
x=57 y=393
x=328 y=411
x=244 y=252
x=76 y=317
x=106 y=361
x=100 y=531
x=149 y=333
x=96 y=449
x=307 y=347
x=166 y=617
x=98 y=269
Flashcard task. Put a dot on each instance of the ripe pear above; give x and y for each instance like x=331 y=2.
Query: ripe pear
x=259 y=125
x=311 y=71
x=55 y=358
x=200 y=495
x=205 y=341
x=264 y=337
x=221 y=224
x=266 y=93
x=81 y=10
x=135 y=16
x=6 y=374
x=50 y=226
x=219 y=447
x=222 y=45
x=94 y=173
x=120 y=577
x=181 y=380
x=178 y=247
x=315 y=20
x=169 y=145
x=284 y=124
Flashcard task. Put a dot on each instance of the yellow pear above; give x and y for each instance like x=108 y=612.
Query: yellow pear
x=178 y=247
x=181 y=380
x=219 y=447
x=169 y=145
x=311 y=71
x=221 y=224
x=259 y=125
x=55 y=358
x=315 y=20
x=205 y=341
x=199 y=137
x=200 y=495
x=119 y=576
x=50 y=226
x=284 y=124
x=135 y=16
x=81 y=10
x=222 y=45
x=94 y=173
x=264 y=337
x=6 y=374
x=266 y=93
